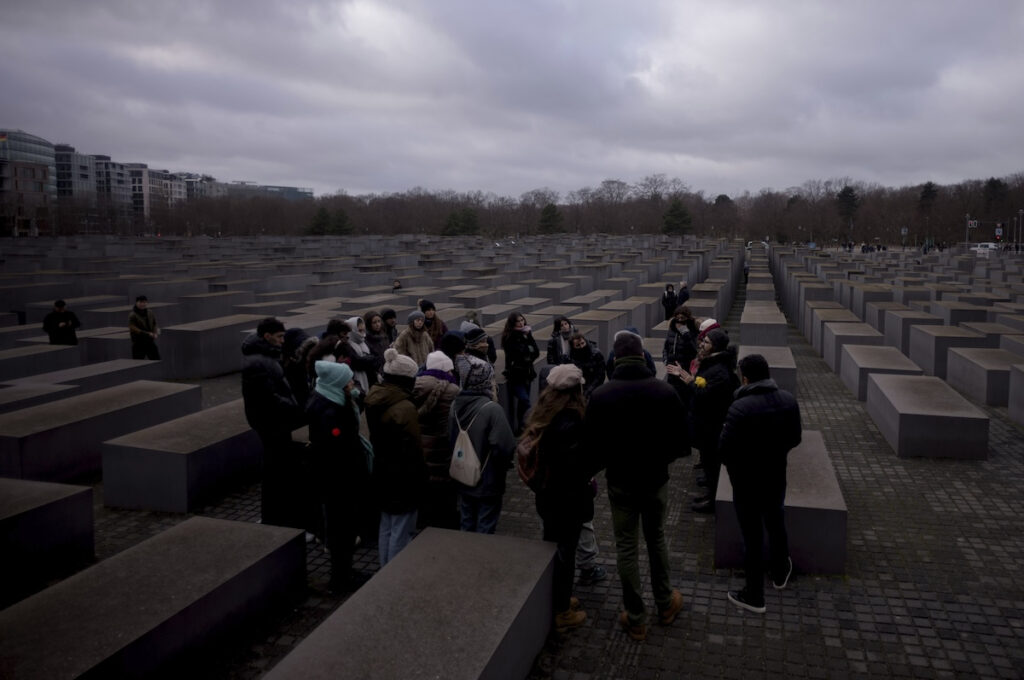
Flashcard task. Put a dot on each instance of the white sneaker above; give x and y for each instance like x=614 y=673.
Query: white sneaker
x=785 y=581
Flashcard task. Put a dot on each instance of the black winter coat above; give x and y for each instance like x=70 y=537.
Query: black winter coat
x=760 y=428
x=591 y=362
x=270 y=406
x=520 y=352
x=629 y=428
x=567 y=498
x=338 y=458
x=680 y=345
x=711 y=402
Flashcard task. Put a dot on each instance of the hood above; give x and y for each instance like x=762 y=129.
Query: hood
x=254 y=344
x=386 y=395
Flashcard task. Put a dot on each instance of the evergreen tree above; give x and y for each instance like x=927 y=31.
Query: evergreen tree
x=340 y=225
x=461 y=223
x=677 y=219
x=321 y=222
x=550 y=219
x=847 y=203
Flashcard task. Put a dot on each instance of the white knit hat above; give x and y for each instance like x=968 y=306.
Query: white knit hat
x=439 y=361
x=399 y=364
x=565 y=377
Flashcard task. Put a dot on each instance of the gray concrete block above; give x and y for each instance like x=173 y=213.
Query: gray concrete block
x=1015 y=401
x=930 y=344
x=898 y=323
x=181 y=464
x=982 y=373
x=860 y=361
x=60 y=440
x=22 y=395
x=837 y=334
x=200 y=579
x=19 y=362
x=922 y=416
x=815 y=513
x=452 y=605
x=206 y=348
x=763 y=324
x=780 y=363
x=99 y=375
x=46 y=530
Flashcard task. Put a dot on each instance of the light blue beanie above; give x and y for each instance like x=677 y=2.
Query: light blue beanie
x=331 y=379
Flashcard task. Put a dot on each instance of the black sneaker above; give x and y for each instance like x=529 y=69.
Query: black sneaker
x=780 y=586
x=592 y=575
x=739 y=598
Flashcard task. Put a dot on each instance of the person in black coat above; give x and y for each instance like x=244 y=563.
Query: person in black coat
x=586 y=357
x=625 y=429
x=520 y=352
x=669 y=300
x=712 y=389
x=60 y=325
x=339 y=466
x=559 y=344
x=271 y=410
x=564 y=495
x=760 y=428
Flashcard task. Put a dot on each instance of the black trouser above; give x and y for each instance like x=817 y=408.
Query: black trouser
x=282 y=502
x=566 y=535
x=759 y=501
x=712 y=469
x=145 y=348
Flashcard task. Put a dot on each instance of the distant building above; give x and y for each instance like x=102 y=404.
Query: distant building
x=28 y=183
x=113 y=193
x=242 y=188
x=154 y=191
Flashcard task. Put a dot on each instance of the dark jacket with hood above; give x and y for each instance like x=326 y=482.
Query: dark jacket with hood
x=433 y=395
x=520 y=352
x=399 y=471
x=65 y=335
x=680 y=345
x=589 y=360
x=270 y=405
x=339 y=460
x=625 y=428
x=760 y=428
x=492 y=440
x=712 y=401
x=559 y=344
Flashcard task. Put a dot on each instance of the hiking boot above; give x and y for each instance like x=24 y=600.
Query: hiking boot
x=675 y=605
x=569 y=619
x=741 y=599
x=592 y=575
x=780 y=585
x=637 y=632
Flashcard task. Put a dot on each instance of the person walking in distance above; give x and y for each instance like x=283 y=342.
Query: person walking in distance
x=144 y=330
x=60 y=325
x=760 y=428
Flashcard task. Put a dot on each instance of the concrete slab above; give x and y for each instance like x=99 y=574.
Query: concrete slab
x=780 y=363
x=898 y=323
x=922 y=416
x=837 y=334
x=982 y=373
x=929 y=345
x=860 y=361
x=200 y=578
x=402 y=623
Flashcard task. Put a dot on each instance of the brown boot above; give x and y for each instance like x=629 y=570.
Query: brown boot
x=675 y=605
x=569 y=619
x=574 y=603
x=637 y=632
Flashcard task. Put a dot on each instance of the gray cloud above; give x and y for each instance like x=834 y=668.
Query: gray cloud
x=505 y=97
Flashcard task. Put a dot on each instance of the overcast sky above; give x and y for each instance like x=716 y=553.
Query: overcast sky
x=506 y=97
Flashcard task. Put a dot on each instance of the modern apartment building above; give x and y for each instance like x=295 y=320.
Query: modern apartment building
x=28 y=183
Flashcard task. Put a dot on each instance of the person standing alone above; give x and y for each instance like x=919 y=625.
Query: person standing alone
x=144 y=331
x=60 y=325
x=761 y=427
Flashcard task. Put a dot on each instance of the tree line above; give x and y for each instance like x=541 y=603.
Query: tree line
x=827 y=211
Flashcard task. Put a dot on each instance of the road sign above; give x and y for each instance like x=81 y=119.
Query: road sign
x=999 y=231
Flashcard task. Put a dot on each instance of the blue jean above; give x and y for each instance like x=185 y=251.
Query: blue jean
x=519 y=395
x=395 y=533
x=479 y=514
x=630 y=512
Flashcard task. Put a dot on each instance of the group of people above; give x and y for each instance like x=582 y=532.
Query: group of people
x=385 y=407
x=61 y=325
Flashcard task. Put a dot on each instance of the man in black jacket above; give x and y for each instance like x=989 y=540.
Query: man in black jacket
x=761 y=426
x=625 y=432
x=272 y=411
x=60 y=325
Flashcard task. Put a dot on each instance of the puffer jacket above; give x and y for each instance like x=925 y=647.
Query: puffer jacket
x=399 y=471
x=433 y=396
x=680 y=345
x=270 y=405
x=415 y=344
x=760 y=428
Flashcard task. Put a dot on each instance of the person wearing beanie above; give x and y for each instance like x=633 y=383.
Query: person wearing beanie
x=648 y=359
x=478 y=343
x=484 y=419
x=625 y=434
x=432 y=322
x=399 y=471
x=363 y=362
x=339 y=470
x=712 y=393
x=60 y=325
x=452 y=344
x=564 y=495
x=414 y=341
x=390 y=319
x=433 y=394
x=271 y=410
x=520 y=352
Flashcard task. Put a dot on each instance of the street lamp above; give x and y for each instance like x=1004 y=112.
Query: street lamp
x=1020 y=226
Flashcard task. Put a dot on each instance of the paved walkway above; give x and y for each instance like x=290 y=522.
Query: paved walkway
x=932 y=587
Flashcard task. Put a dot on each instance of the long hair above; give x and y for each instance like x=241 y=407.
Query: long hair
x=368 y=320
x=322 y=349
x=510 y=326
x=691 y=323
x=552 y=402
